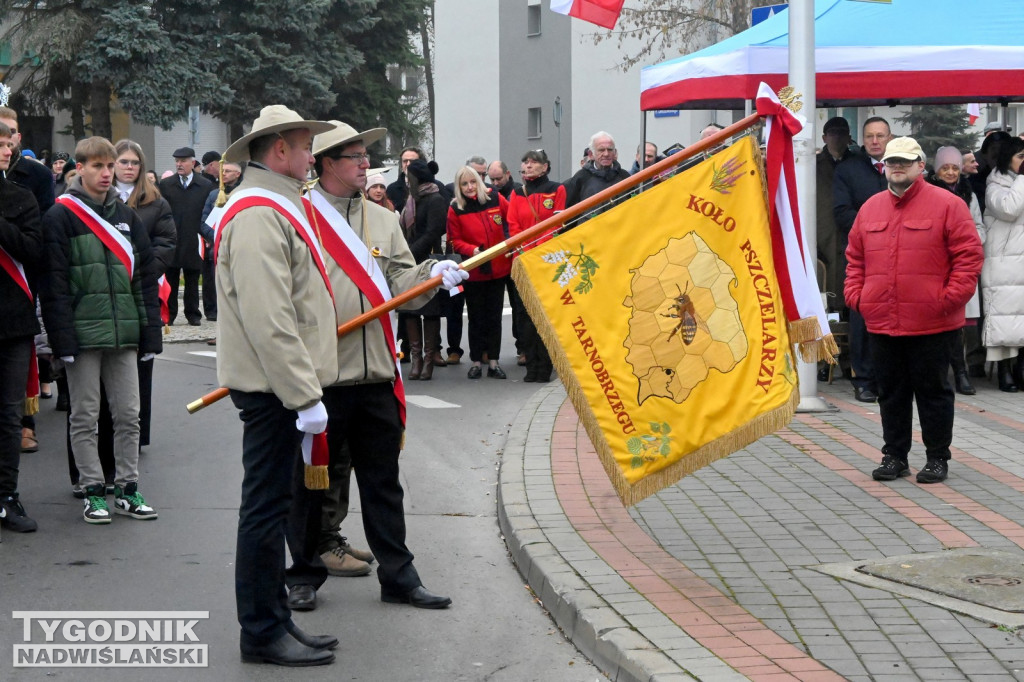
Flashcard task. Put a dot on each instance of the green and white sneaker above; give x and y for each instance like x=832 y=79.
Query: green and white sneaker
x=130 y=503
x=96 y=510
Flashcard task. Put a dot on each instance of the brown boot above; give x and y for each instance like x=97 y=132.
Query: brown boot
x=414 y=333
x=431 y=331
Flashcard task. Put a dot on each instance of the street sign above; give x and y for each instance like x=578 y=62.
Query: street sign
x=759 y=14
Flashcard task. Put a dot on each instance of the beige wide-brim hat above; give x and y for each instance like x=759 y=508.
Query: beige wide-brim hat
x=343 y=133
x=275 y=118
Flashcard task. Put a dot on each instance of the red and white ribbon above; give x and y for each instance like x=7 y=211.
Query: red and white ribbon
x=794 y=265
x=14 y=268
x=352 y=256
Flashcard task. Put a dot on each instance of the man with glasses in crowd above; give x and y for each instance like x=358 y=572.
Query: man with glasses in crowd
x=599 y=174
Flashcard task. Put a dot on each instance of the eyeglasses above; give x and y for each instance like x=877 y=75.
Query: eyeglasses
x=358 y=158
x=129 y=163
x=900 y=163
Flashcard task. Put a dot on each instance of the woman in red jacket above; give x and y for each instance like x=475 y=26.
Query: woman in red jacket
x=538 y=199
x=477 y=220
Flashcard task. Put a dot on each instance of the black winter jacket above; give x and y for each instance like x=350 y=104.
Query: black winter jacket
x=35 y=177
x=21 y=236
x=855 y=181
x=88 y=302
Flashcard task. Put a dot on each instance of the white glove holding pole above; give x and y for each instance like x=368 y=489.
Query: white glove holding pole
x=146 y=357
x=68 y=359
x=451 y=274
x=312 y=419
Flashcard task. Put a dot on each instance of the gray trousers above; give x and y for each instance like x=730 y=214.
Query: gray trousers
x=120 y=376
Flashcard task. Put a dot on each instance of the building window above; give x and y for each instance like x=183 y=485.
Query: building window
x=533 y=119
x=533 y=20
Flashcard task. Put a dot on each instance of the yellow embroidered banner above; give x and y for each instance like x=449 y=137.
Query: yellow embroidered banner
x=665 y=323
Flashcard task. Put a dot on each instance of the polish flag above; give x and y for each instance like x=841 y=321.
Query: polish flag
x=973 y=113
x=601 y=12
x=164 y=293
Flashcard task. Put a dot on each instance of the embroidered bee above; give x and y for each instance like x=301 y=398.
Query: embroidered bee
x=682 y=309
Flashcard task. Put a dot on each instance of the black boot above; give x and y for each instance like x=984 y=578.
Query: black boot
x=1005 y=375
x=963 y=384
x=431 y=333
x=1018 y=371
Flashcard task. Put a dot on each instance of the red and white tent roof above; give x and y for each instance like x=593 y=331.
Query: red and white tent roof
x=906 y=52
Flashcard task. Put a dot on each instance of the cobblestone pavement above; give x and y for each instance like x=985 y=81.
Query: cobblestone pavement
x=713 y=578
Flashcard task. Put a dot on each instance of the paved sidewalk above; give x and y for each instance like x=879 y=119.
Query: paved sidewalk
x=720 y=576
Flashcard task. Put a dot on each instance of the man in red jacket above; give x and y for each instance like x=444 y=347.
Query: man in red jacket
x=913 y=262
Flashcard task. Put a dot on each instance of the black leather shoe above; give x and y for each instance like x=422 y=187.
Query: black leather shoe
x=935 y=471
x=286 y=651
x=420 y=597
x=302 y=598
x=312 y=641
x=865 y=395
x=891 y=469
x=474 y=372
x=496 y=373
x=963 y=384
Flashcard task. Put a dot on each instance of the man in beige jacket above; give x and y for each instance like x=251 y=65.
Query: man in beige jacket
x=277 y=349
x=368 y=259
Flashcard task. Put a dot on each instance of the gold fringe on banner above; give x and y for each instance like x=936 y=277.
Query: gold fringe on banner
x=317 y=478
x=630 y=494
x=824 y=349
x=31 y=406
x=804 y=330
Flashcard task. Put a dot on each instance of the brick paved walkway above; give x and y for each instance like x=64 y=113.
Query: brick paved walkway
x=713 y=577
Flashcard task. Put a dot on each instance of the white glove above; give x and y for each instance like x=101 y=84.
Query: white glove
x=146 y=357
x=312 y=419
x=451 y=274
x=68 y=359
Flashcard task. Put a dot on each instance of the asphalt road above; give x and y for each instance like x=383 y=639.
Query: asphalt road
x=183 y=561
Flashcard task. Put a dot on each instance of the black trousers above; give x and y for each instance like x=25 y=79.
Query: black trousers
x=483 y=305
x=453 y=307
x=192 y=313
x=518 y=312
x=335 y=502
x=861 y=353
x=270 y=448
x=365 y=418
x=209 y=287
x=909 y=369
x=15 y=356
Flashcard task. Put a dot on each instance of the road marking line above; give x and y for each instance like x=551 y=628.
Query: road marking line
x=429 y=402
x=204 y=353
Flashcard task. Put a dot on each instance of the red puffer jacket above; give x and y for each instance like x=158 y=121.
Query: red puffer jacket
x=481 y=226
x=913 y=261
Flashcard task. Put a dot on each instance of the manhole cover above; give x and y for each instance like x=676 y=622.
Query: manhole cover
x=989 y=578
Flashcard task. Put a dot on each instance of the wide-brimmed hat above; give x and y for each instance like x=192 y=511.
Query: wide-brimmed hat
x=275 y=118
x=903 y=148
x=342 y=134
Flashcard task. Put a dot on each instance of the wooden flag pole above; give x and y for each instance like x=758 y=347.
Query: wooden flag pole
x=515 y=241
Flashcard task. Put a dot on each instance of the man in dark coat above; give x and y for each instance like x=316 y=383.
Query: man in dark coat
x=856 y=180
x=186 y=192
x=500 y=178
x=836 y=136
x=35 y=177
x=21 y=254
x=596 y=175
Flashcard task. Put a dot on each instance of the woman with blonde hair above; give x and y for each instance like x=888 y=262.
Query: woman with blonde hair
x=477 y=220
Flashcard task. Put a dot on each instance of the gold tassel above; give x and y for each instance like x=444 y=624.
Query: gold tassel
x=31 y=406
x=317 y=478
x=804 y=330
x=401 y=446
x=222 y=196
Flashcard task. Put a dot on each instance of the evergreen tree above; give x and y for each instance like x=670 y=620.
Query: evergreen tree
x=939 y=125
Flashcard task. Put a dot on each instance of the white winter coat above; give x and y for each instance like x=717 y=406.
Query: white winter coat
x=1002 y=276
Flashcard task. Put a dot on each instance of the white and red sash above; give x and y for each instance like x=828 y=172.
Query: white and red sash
x=351 y=254
x=116 y=242
x=13 y=268
x=248 y=198
x=164 y=294
x=213 y=220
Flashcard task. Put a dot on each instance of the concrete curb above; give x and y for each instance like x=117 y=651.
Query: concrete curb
x=595 y=608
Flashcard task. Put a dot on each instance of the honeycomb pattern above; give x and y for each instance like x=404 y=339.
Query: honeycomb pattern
x=665 y=365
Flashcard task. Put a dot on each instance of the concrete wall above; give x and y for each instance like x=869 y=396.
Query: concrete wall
x=534 y=71
x=466 y=83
